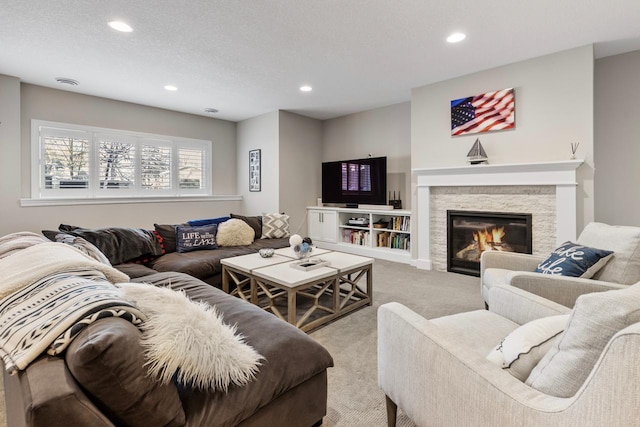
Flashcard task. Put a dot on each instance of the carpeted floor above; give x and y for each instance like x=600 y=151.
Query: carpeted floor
x=354 y=397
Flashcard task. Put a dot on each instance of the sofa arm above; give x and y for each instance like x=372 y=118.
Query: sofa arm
x=521 y=306
x=509 y=261
x=45 y=394
x=561 y=289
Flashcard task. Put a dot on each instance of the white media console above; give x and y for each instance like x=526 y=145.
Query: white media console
x=377 y=233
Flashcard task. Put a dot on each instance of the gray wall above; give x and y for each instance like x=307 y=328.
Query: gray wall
x=262 y=133
x=300 y=167
x=9 y=154
x=384 y=131
x=617 y=139
x=291 y=157
x=20 y=103
x=554 y=107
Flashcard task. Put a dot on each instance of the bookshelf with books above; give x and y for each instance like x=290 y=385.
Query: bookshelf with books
x=384 y=234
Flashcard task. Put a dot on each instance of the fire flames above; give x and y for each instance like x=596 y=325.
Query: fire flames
x=489 y=241
x=484 y=240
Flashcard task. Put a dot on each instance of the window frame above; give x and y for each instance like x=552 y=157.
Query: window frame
x=93 y=190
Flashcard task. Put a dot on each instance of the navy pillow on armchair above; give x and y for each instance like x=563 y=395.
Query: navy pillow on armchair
x=572 y=259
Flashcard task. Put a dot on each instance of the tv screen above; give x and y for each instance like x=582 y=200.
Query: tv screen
x=358 y=181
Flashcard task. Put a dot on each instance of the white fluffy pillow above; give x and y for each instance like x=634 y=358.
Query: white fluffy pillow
x=521 y=350
x=189 y=338
x=235 y=232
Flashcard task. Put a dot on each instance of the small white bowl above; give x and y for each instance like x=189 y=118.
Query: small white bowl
x=266 y=252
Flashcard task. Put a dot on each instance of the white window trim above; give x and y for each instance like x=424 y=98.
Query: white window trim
x=94 y=194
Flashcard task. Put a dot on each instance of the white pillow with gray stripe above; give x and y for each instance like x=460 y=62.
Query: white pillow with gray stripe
x=521 y=350
x=595 y=319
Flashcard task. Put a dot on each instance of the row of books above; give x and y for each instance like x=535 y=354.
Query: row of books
x=393 y=240
x=356 y=237
x=400 y=223
x=385 y=239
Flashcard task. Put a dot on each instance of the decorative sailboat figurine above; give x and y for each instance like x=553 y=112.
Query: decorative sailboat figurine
x=477 y=154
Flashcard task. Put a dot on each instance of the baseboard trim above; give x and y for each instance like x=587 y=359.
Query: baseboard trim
x=424 y=264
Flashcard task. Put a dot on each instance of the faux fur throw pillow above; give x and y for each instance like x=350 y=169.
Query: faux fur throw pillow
x=189 y=338
x=235 y=232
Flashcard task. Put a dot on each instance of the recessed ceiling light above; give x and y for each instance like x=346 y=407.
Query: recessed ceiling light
x=120 y=26
x=66 y=81
x=306 y=88
x=456 y=37
x=210 y=110
x=171 y=88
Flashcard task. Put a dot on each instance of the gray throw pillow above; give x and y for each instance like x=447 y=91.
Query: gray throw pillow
x=275 y=226
x=595 y=319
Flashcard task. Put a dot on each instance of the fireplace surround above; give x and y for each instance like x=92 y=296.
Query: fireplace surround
x=558 y=175
x=469 y=233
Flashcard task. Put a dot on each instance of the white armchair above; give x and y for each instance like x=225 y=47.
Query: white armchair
x=515 y=269
x=436 y=370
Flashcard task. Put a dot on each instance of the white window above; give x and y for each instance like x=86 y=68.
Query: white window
x=73 y=161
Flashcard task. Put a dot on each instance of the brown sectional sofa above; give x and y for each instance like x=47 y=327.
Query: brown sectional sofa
x=125 y=246
x=289 y=390
x=205 y=265
x=93 y=382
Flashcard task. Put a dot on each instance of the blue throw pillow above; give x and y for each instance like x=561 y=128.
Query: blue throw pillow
x=196 y=238
x=199 y=222
x=572 y=259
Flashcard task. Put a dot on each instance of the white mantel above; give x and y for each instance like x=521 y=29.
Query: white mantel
x=561 y=174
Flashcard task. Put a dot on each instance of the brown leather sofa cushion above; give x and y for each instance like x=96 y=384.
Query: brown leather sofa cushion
x=107 y=360
x=291 y=356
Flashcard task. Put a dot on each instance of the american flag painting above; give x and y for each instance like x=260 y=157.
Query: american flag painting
x=483 y=113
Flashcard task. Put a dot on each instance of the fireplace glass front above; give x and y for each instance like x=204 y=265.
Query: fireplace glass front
x=469 y=233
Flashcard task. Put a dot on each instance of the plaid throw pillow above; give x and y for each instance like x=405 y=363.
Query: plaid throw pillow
x=275 y=226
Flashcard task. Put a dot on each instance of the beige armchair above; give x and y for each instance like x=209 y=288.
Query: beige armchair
x=514 y=269
x=436 y=370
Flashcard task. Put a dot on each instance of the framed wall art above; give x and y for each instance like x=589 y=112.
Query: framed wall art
x=255 y=179
x=491 y=111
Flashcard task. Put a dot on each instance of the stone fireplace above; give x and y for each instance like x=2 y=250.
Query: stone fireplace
x=546 y=191
x=470 y=233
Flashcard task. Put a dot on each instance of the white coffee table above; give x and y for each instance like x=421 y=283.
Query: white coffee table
x=240 y=270
x=351 y=271
x=288 y=252
x=282 y=280
x=334 y=290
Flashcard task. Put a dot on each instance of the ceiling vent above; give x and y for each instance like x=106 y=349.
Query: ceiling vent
x=210 y=110
x=67 y=81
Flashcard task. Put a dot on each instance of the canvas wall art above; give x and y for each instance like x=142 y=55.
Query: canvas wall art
x=486 y=112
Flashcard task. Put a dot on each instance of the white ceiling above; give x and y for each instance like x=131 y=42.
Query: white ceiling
x=249 y=57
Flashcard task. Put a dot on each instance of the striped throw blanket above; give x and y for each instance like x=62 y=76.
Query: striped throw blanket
x=48 y=293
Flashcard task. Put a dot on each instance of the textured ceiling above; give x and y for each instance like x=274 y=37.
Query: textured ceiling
x=248 y=57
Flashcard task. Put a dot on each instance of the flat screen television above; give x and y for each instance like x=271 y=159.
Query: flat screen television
x=355 y=182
